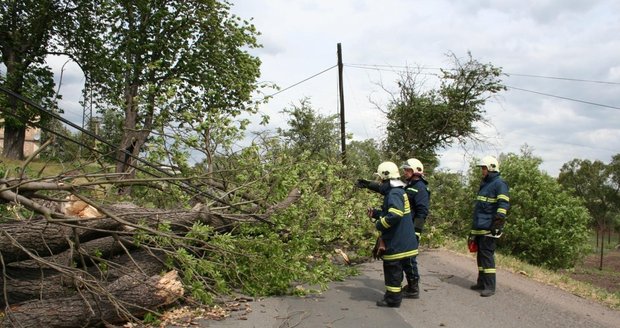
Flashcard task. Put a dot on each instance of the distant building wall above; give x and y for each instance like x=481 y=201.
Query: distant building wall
x=31 y=143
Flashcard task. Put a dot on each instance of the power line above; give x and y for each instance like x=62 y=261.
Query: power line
x=565 y=98
x=407 y=68
x=563 y=78
x=302 y=81
x=376 y=67
x=384 y=68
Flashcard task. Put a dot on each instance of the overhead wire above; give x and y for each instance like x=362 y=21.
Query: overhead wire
x=302 y=81
x=563 y=78
x=562 y=97
x=409 y=68
x=375 y=67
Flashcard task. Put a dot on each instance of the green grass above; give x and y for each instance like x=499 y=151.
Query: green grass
x=41 y=168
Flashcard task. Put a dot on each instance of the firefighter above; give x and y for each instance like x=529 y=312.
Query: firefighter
x=490 y=211
x=419 y=198
x=393 y=220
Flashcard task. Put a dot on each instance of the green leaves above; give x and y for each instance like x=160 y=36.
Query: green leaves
x=546 y=225
x=422 y=122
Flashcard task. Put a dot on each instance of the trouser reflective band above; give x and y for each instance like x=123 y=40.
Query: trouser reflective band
x=485 y=259
x=393 y=276
x=393 y=289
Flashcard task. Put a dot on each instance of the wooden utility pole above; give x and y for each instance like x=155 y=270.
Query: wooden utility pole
x=343 y=145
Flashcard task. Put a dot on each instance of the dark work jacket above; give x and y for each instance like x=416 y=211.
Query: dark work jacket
x=492 y=201
x=395 y=222
x=419 y=198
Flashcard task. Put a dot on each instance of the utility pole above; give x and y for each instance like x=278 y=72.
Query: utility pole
x=343 y=145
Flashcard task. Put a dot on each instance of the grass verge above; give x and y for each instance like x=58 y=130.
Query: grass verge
x=578 y=288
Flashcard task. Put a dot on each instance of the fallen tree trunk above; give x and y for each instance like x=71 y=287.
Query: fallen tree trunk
x=46 y=238
x=23 y=284
x=93 y=308
x=105 y=247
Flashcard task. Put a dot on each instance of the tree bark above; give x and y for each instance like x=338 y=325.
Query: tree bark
x=47 y=238
x=23 y=284
x=95 y=307
x=14 y=138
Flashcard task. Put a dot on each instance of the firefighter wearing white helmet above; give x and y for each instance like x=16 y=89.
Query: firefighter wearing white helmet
x=490 y=163
x=419 y=199
x=413 y=164
x=492 y=203
x=393 y=220
x=387 y=171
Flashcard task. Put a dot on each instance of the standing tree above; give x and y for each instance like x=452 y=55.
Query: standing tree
x=27 y=36
x=422 y=122
x=163 y=63
x=613 y=170
x=591 y=182
x=311 y=132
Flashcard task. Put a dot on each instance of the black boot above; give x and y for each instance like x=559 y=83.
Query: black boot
x=488 y=281
x=479 y=285
x=384 y=303
x=487 y=293
x=412 y=290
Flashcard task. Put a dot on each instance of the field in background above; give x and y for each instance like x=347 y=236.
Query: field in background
x=588 y=270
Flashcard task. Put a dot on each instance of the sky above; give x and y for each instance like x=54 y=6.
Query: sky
x=562 y=58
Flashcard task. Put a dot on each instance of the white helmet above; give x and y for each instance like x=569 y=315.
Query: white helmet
x=387 y=171
x=414 y=164
x=490 y=162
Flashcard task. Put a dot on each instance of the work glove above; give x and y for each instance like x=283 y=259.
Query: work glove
x=497 y=226
x=362 y=183
x=418 y=233
x=370 y=212
x=379 y=249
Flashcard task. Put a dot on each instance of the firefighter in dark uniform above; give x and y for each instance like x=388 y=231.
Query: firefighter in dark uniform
x=395 y=223
x=490 y=211
x=419 y=199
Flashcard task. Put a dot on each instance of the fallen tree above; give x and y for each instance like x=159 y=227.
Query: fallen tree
x=123 y=300
x=99 y=263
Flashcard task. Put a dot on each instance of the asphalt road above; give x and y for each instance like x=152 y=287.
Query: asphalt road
x=446 y=301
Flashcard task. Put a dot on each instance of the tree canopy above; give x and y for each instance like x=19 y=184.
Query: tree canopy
x=28 y=33
x=181 y=64
x=420 y=121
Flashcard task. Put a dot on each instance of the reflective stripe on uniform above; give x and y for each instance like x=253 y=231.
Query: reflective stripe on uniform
x=503 y=197
x=480 y=232
x=501 y=210
x=407 y=205
x=393 y=289
x=399 y=256
x=487 y=199
x=490 y=270
x=384 y=222
x=396 y=212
